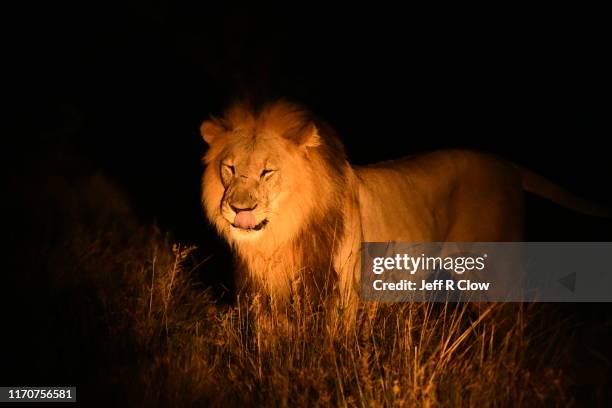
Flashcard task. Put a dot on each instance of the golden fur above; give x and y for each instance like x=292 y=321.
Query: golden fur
x=315 y=209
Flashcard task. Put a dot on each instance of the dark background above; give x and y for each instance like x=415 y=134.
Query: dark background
x=125 y=88
x=121 y=90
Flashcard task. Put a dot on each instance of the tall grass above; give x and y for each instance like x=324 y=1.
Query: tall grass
x=190 y=352
x=164 y=341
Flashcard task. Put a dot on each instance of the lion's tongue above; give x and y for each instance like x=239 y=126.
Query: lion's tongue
x=245 y=220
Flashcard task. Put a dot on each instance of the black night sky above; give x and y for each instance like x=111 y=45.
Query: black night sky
x=124 y=89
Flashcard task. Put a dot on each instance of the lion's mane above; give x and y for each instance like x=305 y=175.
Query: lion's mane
x=310 y=239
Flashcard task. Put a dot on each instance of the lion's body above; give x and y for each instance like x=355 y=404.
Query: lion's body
x=449 y=195
x=309 y=219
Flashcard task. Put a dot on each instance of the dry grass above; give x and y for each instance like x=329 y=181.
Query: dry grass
x=186 y=351
x=161 y=340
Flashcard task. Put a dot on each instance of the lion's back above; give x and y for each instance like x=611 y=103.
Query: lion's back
x=418 y=198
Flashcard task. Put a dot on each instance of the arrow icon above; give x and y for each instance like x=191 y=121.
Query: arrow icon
x=569 y=281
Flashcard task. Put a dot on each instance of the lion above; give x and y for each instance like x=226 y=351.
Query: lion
x=279 y=189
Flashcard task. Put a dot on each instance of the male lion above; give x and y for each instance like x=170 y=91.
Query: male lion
x=277 y=186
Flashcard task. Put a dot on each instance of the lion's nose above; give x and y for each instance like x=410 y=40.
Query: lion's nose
x=242 y=208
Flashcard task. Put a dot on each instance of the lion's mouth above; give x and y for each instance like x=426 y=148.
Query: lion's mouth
x=257 y=227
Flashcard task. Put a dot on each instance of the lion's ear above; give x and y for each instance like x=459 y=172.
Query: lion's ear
x=309 y=136
x=211 y=130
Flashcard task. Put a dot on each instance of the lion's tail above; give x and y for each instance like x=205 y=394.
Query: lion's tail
x=539 y=185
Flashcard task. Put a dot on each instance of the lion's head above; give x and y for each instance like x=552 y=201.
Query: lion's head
x=269 y=173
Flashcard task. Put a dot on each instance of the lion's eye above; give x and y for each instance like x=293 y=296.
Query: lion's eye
x=266 y=172
x=229 y=168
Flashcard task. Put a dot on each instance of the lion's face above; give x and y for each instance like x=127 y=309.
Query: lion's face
x=259 y=185
x=253 y=174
